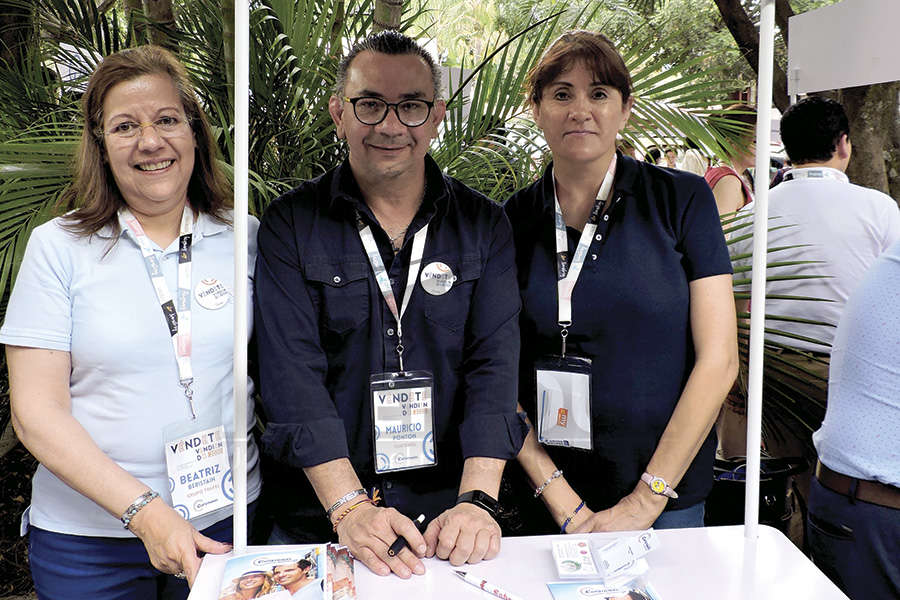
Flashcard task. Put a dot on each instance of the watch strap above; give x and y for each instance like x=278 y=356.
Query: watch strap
x=658 y=485
x=480 y=499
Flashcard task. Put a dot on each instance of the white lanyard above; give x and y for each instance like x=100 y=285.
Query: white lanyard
x=567 y=275
x=381 y=276
x=816 y=173
x=176 y=313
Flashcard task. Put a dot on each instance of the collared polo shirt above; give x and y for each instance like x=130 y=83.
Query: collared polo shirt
x=323 y=328
x=824 y=234
x=90 y=298
x=630 y=315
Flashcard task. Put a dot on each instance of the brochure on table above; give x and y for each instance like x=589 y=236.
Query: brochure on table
x=310 y=572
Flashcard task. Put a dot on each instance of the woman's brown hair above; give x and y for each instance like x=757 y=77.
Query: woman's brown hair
x=93 y=193
x=594 y=50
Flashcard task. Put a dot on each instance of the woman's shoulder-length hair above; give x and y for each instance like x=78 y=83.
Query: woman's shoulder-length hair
x=93 y=196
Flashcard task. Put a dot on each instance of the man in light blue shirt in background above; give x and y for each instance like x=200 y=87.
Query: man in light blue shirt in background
x=853 y=525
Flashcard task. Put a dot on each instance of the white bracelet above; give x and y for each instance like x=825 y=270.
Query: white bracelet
x=540 y=490
x=141 y=501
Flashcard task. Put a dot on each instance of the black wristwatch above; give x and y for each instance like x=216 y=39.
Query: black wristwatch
x=481 y=500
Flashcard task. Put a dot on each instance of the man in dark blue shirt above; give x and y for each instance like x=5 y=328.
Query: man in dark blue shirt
x=387 y=311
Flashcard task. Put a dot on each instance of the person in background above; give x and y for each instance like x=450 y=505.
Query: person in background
x=119 y=342
x=629 y=340
x=694 y=161
x=853 y=522
x=727 y=179
x=671 y=158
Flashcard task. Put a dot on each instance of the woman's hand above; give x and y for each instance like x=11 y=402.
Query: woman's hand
x=636 y=511
x=174 y=545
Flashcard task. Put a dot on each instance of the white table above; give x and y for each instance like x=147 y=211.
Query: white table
x=691 y=564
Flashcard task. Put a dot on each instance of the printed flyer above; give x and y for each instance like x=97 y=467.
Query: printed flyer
x=599 y=591
x=299 y=574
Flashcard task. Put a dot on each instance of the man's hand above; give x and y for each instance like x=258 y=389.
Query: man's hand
x=636 y=511
x=369 y=531
x=172 y=543
x=464 y=533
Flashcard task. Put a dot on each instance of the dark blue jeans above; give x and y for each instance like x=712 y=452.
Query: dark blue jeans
x=78 y=567
x=856 y=544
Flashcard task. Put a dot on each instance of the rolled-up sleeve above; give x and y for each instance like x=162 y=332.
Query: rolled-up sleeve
x=491 y=427
x=304 y=428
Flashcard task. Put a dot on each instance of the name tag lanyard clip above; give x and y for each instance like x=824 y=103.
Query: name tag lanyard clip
x=177 y=312
x=384 y=283
x=566 y=274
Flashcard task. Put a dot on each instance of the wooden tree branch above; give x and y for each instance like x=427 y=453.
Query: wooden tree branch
x=161 y=14
x=387 y=15
x=746 y=35
x=783 y=12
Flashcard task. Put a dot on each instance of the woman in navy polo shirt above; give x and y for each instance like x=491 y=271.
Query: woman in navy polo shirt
x=629 y=341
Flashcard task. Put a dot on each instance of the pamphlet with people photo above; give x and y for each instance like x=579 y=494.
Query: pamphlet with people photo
x=298 y=574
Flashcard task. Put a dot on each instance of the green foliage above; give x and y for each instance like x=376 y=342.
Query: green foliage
x=41 y=124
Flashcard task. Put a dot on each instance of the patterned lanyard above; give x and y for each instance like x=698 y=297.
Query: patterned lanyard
x=177 y=313
x=381 y=276
x=566 y=274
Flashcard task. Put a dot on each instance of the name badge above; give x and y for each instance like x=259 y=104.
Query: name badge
x=211 y=294
x=199 y=474
x=564 y=401
x=403 y=419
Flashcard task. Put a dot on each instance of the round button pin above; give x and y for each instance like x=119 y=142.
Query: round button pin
x=211 y=294
x=437 y=278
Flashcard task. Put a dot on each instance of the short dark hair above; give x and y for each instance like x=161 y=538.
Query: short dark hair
x=592 y=49
x=812 y=128
x=304 y=564
x=392 y=43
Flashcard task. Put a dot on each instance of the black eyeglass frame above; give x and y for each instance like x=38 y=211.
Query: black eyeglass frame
x=388 y=106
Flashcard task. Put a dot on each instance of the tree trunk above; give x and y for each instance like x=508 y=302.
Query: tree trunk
x=746 y=35
x=872 y=111
x=228 y=43
x=134 y=12
x=162 y=19
x=387 y=15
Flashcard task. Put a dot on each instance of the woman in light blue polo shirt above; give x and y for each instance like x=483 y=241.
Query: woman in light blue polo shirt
x=119 y=344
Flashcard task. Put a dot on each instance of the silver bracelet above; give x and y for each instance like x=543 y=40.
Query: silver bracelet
x=142 y=501
x=343 y=499
x=540 y=490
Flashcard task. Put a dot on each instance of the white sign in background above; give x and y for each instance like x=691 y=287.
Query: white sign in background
x=847 y=44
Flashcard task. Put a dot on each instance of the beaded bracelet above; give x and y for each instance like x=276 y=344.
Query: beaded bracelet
x=135 y=507
x=343 y=499
x=570 y=517
x=540 y=489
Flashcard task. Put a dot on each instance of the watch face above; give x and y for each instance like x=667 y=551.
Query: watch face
x=658 y=485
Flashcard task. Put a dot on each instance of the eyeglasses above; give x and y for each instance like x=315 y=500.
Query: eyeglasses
x=372 y=111
x=168 y=126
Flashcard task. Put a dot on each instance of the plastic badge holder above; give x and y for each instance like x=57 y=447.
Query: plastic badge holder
x=618 y=561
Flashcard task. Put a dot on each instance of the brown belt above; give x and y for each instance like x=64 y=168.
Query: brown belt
x=873 y=492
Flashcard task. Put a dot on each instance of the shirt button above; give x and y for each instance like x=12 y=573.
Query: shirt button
x=606 y=217
x=593 y=257
x=388 y=485
x=393 y=281
x=598 y=237
x=390 y=332
x=336 y=279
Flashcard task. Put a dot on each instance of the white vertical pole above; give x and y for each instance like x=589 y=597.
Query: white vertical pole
x=758 y=288
x=241 y=145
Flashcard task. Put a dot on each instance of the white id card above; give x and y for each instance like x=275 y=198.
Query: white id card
x=564 y=401
x=403 y=419
x=199 y=474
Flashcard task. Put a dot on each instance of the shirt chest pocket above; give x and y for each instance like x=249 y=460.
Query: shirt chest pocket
x=450 y=309
x=341 y=293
